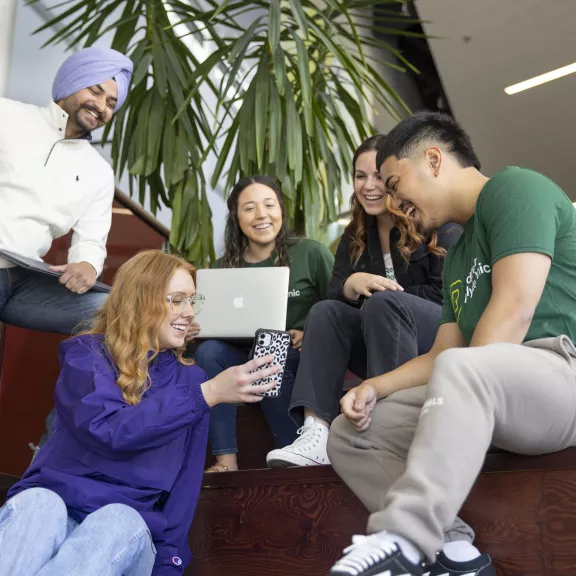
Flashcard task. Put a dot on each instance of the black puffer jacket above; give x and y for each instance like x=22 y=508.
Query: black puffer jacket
x=421 y=277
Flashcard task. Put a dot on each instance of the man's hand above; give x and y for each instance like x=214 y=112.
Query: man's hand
x=358 y=404
x=78 y=277
x=192 y=332
x=297 y=336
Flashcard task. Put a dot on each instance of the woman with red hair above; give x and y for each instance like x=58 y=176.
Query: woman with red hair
x=113 y=491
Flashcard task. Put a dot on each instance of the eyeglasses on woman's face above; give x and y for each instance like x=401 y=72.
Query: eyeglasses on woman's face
x=178 y=303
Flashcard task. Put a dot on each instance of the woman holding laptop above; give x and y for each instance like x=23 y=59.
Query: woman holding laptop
x=385 y=308
x=257 y=235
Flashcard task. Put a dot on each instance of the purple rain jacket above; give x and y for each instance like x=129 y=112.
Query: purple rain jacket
x=149 y=456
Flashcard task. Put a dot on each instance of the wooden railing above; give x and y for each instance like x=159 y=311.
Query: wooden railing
x=143 y=214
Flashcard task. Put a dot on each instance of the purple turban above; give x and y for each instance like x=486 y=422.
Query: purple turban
x=89 y=67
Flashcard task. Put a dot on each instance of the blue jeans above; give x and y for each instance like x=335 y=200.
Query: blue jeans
x=39 y=302
x=215 y=356
x=38 y=538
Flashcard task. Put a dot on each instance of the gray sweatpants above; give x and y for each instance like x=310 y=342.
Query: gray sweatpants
x=415 y=465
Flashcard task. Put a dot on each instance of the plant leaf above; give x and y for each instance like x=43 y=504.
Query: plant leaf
x=280 y=70
x=274 y=24
x=142 y=68
x=223 y=156
x=275 y=124
x=262 y=81
x=300 y=16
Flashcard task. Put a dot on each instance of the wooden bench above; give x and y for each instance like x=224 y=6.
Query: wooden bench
x=298 y=520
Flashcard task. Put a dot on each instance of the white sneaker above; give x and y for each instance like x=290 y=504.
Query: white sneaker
x=307 y=450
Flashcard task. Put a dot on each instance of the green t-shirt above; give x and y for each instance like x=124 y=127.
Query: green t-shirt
x=518 y=210
x=311 y=266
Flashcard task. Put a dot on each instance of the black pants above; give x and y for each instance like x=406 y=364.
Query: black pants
x=390 y=329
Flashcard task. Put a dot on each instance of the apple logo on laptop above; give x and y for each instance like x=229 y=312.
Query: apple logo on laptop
x=238 y=302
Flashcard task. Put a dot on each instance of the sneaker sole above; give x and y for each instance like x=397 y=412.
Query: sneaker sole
x=278 y=463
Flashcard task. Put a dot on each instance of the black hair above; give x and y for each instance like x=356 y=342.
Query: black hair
x=235 y=240
x=434 y=127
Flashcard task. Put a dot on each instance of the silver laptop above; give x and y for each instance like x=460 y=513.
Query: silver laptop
x=241 y=300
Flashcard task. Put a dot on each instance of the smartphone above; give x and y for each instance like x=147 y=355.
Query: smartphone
x=275 y=343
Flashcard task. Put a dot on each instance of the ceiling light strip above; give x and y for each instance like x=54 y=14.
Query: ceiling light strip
x=542 y=79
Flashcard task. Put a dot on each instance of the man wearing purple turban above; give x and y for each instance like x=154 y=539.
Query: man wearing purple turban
x=52 y=181
x=88 y=78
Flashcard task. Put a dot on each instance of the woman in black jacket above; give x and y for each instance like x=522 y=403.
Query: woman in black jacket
x=385 y=308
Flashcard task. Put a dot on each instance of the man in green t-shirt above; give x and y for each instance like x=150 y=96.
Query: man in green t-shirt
x=502 y=371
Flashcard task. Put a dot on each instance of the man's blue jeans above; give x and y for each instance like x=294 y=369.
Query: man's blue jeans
x=215 y=356
x=38 y=538
x=39 y=302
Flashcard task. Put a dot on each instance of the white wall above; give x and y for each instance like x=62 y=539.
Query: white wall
x=7 y=20
x=481 y=47
x=32 y=69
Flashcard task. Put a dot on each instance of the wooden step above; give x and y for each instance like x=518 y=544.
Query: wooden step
x=298 y=520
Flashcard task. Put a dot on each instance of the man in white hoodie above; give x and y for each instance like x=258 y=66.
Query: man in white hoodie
x=52 y=181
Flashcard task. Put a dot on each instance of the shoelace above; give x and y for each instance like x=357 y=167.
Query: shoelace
x=307 y=434
x=364 y=552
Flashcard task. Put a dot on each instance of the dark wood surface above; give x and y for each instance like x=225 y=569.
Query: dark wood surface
x=495 y=464
x=2 y=339
x=273 y=530
x=282 y=522
x=526 y=521
x=298 y=520
x=265 y=526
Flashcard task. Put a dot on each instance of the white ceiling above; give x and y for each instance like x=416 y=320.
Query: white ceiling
x=483 y=46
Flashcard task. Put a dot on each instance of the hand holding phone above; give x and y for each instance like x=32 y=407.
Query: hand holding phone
x=272 y=343
x=240 y=383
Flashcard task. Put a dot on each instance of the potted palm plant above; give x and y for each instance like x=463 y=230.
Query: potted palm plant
x=228 y=88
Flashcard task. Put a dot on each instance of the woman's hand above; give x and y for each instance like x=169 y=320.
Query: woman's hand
x=239 y=383
x=358 y=403
x=364 y=284
x=192 y=332
x=297 y=337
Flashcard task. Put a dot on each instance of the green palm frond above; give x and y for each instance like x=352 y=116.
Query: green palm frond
x=286 y=90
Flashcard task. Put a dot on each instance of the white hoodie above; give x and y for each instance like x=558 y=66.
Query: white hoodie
x=50 y=185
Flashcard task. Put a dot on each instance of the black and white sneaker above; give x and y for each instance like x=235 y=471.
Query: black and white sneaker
x=374 y=556
x=481 y=566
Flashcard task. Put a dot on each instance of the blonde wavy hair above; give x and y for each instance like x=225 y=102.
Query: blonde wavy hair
x=132 y=315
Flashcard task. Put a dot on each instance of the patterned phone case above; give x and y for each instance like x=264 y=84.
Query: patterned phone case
x=273 y=342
